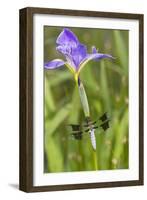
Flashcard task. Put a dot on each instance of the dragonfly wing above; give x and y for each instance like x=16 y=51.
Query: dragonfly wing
x=77 y=135
x=75 y=127
x=105 y=125
x=104 y=117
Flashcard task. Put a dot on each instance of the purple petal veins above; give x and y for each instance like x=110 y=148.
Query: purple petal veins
x=79 y=54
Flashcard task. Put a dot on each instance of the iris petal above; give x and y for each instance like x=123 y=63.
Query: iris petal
x=95 y=56
x=68 y=42
x=67 y=53
x=94 y=50
x=98 y=56
x=67 y=37
x=74 y=52
x=70 y=47
x=64 y=49
x=79 y=54
x=54 y=64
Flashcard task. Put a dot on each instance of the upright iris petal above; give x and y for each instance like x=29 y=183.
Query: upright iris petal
x=94 y=50
x=79 y=54
x=67 y=42
x=75 y=53
x=67 y=37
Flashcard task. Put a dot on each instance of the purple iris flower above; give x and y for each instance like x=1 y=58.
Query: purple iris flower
x=76 y=55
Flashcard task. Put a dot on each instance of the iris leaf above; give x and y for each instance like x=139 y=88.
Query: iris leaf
x=120 y=136
x=104 y=87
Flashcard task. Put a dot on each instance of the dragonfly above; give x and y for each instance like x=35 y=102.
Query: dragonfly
x=90 y=126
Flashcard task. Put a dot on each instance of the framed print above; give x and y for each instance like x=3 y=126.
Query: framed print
x=81 y=99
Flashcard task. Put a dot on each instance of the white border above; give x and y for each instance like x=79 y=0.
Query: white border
x=39 y=178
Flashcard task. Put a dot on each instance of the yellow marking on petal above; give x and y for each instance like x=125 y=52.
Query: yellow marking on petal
x=70 y=68
x=82 y=65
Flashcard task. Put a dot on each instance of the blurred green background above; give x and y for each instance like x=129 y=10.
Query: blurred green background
x=106 y=85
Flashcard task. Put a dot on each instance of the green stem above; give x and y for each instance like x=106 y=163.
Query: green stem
x=95 y=160
x=85 y=105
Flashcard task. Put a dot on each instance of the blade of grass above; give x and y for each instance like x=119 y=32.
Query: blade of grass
x=49 y=99
x=54 y=156
x=119 y=137
x=60 y=116
x=121 y=49
x=104 y=88
x=60 y=77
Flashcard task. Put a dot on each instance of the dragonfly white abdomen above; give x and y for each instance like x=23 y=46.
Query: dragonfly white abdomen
x=93 y=139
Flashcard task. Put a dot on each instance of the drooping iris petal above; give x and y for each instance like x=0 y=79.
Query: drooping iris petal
x=98 y=56
x=94 y=56
x=54 y=64
x=79 y=54
x=67 y=38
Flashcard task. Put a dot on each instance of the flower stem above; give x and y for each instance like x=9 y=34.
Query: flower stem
x=85 y=105
x=95 y=160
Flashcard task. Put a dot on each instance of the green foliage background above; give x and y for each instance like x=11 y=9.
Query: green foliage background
x=106 y=85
